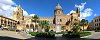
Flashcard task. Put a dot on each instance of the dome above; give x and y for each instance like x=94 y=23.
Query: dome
x=58 y=6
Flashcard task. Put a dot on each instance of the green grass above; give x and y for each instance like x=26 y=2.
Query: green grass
x=46 y=35
x=13 y=30
x=33 y=33
x=97 y=30
x=43 y=34
x=73 y=35
x=84 y=34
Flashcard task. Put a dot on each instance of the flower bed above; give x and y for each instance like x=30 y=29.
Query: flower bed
x=33 y=33
x=84 y=34
x=45 y=35
x=76 y=35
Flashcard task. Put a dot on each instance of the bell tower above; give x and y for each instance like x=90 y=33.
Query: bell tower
x=58 y=10
x=18 y=14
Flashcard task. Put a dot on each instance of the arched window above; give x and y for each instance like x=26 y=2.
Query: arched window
x=27 y=26
x=60 y=20
x=18 y=22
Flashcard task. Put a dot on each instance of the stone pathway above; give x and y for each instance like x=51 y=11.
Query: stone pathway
x=58 y=35
x=17 y=35
x=95 y=35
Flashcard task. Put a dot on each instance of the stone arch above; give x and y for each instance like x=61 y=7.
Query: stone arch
x=31 y=26
x=27 y=26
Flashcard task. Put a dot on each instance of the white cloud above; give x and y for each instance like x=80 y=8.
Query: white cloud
x=72 y=11
x=81 y=6
x=84 y=13
x=95 y=14
x=25 y=13
x=31 y=14
x=7 y=7
x=7 y=2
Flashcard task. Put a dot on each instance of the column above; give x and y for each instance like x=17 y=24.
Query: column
x=0 y=20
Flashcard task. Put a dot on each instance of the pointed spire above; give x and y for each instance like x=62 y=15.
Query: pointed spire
x=18 y=7
x=58 y=6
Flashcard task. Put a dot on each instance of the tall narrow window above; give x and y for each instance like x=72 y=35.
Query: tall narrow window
x=99 y=24
x=95 y=24
x=60 y=20
x=99 y=19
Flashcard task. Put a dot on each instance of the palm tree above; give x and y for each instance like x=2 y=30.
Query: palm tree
x=35 y=19
x=71 y=19
x=63 y=28
x=84 y=22
x=75 y=28
x=44 y=24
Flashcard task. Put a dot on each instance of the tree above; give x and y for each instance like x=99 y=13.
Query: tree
x=63 y=28
x=0 y=26
x=35 y=19
x=75 y=28
x=44 y=24
x=71 y=17
x=83 y=22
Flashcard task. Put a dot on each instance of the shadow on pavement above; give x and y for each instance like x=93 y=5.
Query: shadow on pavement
x=8 y=38
x=60 y=38
x=38 y=38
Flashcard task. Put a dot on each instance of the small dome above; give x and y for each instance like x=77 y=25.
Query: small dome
x=58 y=6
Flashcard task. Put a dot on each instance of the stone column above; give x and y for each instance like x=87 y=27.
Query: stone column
x=29 y=26
x=0 y=20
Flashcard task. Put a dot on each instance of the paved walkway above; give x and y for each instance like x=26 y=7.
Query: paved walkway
x=95 y=35
x=20 y=35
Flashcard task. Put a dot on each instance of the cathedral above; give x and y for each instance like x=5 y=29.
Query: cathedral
x=62 y=19
x=21 y=22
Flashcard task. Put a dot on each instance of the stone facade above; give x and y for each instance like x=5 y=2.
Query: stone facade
x=18 y=21
x=25 y=22
x=96 y=22
x=7 y=22
x=62 y=19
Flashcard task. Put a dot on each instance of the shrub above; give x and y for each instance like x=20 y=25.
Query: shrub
x=0 y=26
x=97 y=30
x=85 y=34
x=45 y=35
x=72 y=35
x=33 y=33
x=76 y=35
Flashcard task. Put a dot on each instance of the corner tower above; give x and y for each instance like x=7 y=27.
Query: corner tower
x=18 y=14
x=78 y=11
x=57 y=12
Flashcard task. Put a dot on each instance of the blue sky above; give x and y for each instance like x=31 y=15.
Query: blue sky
x=90 y=8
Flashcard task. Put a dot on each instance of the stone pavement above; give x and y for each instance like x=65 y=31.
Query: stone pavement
x=17 y=35
x=95 y=35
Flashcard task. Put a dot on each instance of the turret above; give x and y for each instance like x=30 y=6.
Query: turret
x=78 y=11
x=58 y=10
